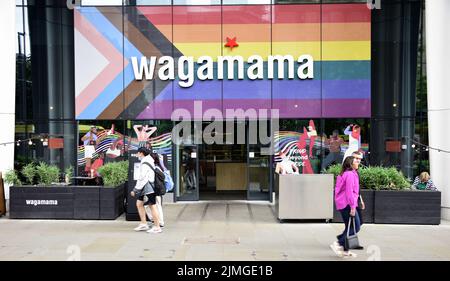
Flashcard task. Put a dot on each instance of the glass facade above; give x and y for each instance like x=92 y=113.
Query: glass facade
x=74 y=68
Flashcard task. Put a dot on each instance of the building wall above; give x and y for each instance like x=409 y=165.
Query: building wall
x=438 y=61
x=7 y=80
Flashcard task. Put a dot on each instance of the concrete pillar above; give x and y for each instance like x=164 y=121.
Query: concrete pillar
x=438 y=82
x=8 y=84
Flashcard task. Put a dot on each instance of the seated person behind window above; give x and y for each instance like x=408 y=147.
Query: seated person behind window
x=286 y=166
x=423 y=182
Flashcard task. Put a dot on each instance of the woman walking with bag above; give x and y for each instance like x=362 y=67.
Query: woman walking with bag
x=346 y=195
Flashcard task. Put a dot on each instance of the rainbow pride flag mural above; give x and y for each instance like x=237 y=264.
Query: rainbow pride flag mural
x=337 y=36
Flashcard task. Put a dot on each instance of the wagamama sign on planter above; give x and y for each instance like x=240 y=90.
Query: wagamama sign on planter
x=145 y=68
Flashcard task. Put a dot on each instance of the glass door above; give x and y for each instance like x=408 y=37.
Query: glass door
x=186 y=168
x=258 y=163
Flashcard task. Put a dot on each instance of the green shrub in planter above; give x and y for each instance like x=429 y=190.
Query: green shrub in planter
x=374 y=178
x=397 y=179
x=29 y=172
x=115 y=173
x=12 y=178
x=335 y=170
x=47 y=174
x=68 y=174
x=377 y=178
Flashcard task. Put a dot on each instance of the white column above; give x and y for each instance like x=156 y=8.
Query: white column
x=8 y=83
x=438 y=81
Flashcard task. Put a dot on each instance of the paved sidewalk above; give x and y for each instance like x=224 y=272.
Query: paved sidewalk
x=245 y=231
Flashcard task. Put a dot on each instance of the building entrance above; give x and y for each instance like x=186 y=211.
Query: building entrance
x=224 y=171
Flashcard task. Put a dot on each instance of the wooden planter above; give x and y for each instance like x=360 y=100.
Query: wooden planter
x=63 y=202
x=367 y=214
x=408 y=207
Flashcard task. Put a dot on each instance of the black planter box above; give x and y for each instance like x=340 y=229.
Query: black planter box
x=66 y=202
x=86 y=202
x=367 y=214
x=408 y=207
x=41 y=202
x=112 y=202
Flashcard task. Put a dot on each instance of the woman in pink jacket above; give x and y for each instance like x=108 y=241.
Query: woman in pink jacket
x=346 y=195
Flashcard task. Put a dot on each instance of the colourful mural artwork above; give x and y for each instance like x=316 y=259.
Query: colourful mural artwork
x=337 y=36
x=297 y=147
x=161 y=144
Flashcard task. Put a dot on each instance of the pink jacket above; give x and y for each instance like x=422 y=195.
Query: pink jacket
x=346 y=191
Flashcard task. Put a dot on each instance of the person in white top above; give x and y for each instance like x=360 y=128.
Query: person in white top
x=354 y=140
x=286 y=166
x=144 y=189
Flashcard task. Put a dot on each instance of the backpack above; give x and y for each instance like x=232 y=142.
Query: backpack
x=168 y=181
x=159 y=183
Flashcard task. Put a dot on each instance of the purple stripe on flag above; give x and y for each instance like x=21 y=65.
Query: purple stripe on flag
x=157 y=110
x=338 y=108
x=282 y=89
x=200 y=90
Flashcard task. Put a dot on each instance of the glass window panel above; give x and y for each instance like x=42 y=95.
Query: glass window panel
x=247 y=2
x=299 y=140
x=101 y=3
x=250 y=25
x=148 y=32
x=196 y=33
x=346 y=60
x=296 y=32
x=154 y=2
x=99 y=63
x=196 y=2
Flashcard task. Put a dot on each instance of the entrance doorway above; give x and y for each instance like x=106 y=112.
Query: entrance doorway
x=223 y=172
x=228 y=171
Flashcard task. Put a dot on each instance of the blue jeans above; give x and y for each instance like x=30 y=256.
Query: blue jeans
x=345 y=213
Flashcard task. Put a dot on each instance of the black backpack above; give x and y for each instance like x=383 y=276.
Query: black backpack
x=158 y=185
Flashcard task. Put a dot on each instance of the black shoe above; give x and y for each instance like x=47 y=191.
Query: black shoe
x=359 y=248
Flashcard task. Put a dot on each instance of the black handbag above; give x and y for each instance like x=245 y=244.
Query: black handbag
x=351 y=241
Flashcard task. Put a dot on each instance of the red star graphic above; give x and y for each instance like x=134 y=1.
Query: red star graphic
x=231 y=43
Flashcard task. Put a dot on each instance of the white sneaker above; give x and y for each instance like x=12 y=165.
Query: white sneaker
x=141 y=227
x=337 y=250
x=338 y=246
x=348 y=254
x=154 y=230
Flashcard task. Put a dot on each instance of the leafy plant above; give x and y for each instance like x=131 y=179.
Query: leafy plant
x=397 y=179
x=68 y=174
x=115 y=173
x=334 y=169
x=12 y=178
x=29 y=172
x=377 y=177
x=69 y=171
x=47 y=174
